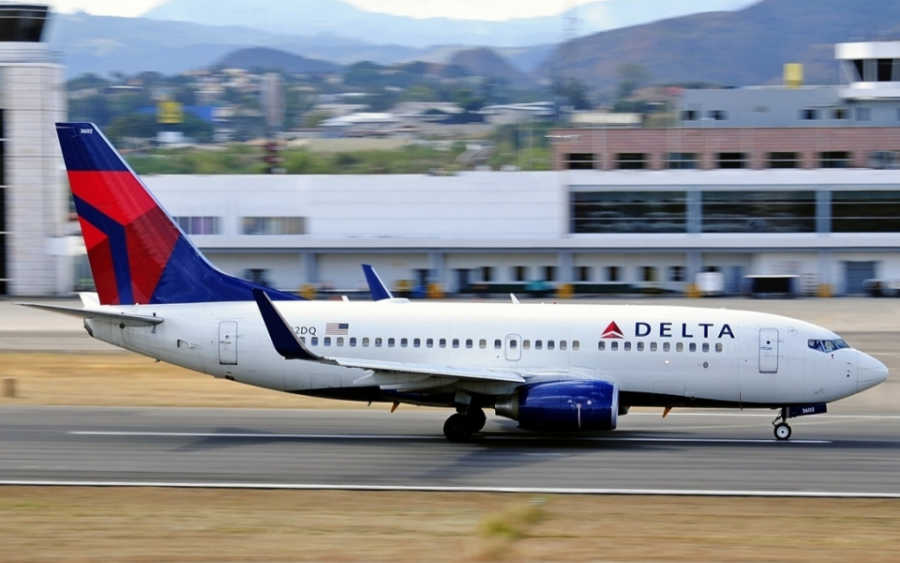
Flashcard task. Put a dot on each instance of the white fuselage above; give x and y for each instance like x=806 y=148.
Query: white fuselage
x=700 y=355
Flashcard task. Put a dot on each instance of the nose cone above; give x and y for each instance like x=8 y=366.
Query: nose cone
x=870 y=372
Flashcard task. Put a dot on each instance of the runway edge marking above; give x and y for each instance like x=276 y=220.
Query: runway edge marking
x=442 y=489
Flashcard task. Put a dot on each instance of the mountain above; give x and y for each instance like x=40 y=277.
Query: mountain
x=266 y=59
x=313 y=17
x=738 y=48
x=486 y=62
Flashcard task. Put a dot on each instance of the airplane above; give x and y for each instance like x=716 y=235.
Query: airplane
x=557 y=368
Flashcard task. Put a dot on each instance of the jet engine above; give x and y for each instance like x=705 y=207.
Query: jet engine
x=563 y=406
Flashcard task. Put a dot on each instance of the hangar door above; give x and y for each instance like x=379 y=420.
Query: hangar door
x=856 y=274
x=768 y=350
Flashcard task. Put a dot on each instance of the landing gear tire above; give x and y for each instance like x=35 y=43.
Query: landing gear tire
x=782 y=431
x=458 y=428
x=476 y=419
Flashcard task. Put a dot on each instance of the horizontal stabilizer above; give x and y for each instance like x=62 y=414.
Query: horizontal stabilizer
x=108 y=316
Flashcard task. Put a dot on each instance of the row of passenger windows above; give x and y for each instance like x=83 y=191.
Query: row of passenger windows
x=653 y=346
x=378 y=342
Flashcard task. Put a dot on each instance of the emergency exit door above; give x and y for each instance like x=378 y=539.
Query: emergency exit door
x=228 y=343
x=768 y=350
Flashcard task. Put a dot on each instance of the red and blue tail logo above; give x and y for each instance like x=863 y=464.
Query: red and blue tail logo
x=137 y=253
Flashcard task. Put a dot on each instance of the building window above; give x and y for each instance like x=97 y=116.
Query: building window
x=676 y=273
x=631 y=161
x=520 y=273
x=834 y=159
x=718 y=115
x=784 y=160
x=549 y=273
x=628 y=212
x=809 y=114
x=583 y=273
x=487 y=273
x=759 y=212
x=580 y=161
x=648 y=273
x=690 y=115
x=732 y=160
x=863 y=114
x=841 y=113
x=274 y=225
x=885 y=68
x=883 y=160
x=681 y=160
x=199 y=225
x=865 y=211
x=612 y=273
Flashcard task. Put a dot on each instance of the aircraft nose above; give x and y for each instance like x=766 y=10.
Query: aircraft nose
x=870 y=372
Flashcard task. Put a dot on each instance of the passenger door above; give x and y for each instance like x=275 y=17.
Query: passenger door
x=228 y=343
x=513 y=347
x=768 y=350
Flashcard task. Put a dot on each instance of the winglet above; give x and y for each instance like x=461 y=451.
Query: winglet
x=377 y=288
x=283 y=338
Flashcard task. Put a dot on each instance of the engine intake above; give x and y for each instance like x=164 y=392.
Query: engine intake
x=563 y=406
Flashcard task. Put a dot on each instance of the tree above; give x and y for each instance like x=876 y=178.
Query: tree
x=632 y=76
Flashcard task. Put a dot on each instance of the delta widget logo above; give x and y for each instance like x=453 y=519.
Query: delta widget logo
x=613 y=331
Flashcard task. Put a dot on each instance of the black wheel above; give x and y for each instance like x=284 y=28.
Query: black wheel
x=457 y=428
x=782 y=431
x=476 y=419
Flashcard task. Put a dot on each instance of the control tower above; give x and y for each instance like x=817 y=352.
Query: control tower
x=33 y=194
x=869 y=70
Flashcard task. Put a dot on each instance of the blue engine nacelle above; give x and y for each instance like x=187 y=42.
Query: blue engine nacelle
x=563 y=406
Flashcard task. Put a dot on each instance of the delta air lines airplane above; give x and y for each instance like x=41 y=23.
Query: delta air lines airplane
x=565 y=368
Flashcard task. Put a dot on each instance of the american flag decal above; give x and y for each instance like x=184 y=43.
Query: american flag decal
x=337 y=329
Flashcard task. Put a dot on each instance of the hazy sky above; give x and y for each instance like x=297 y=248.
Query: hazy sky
x=463 y=9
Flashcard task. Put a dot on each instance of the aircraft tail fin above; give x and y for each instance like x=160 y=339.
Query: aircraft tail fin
x=137 y=253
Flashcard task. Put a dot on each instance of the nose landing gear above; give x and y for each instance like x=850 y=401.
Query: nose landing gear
x=782 y=428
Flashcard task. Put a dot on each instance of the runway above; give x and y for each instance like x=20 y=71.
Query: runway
x=686 y=453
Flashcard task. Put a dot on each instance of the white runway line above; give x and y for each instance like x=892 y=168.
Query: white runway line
x=440 y=489
x=426 y=437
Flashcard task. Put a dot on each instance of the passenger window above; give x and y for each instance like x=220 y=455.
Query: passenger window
x=627 y=346
x=353 y=342
x=429 y=343
x=513 y=344
x=679 y=347
x=562 y=344
x=391 y=342
x=719 y=347
x=526 y=344
x=499 y=344
x=417 y=343
x=576 y=345
x=456 y=342
x=692 y=346
x=601 y=345
x=666 y=347
x=340 y=341
x=482 y=343
x=468 y=342
x=303 y=339
x=378 y=342
x=315 y=340
x=550 y=345
x=706 y=346
x=403 y=342
x=653 y=346
x=538 y=344
x=327 y=341
x=640 y=346
x=613 y=345
x=365 y=342
x=443 y=343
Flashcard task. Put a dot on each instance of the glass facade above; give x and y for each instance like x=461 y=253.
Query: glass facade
x=274 y=225
x=200 y=225
x=865 y=211
x=628 y=212
x=759 y=212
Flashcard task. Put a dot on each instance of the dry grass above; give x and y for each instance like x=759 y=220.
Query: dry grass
x=158 y=525
x=126 y=379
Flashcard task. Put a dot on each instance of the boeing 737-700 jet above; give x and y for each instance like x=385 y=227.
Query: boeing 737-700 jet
x=563 y=368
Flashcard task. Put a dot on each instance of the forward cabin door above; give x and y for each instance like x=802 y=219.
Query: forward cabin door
x=513 y=347
x=228 y=343
x=768 y=350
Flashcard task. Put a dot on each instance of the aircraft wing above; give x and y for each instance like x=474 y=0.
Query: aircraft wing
x=290 y=347
x=109 y=316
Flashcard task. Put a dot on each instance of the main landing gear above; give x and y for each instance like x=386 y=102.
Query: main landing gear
x=782 y=428
x=460 y=426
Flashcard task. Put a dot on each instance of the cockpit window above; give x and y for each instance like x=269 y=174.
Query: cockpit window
x=828 y=346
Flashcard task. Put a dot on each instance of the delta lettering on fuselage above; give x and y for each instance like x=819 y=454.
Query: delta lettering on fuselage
x=671 y=330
